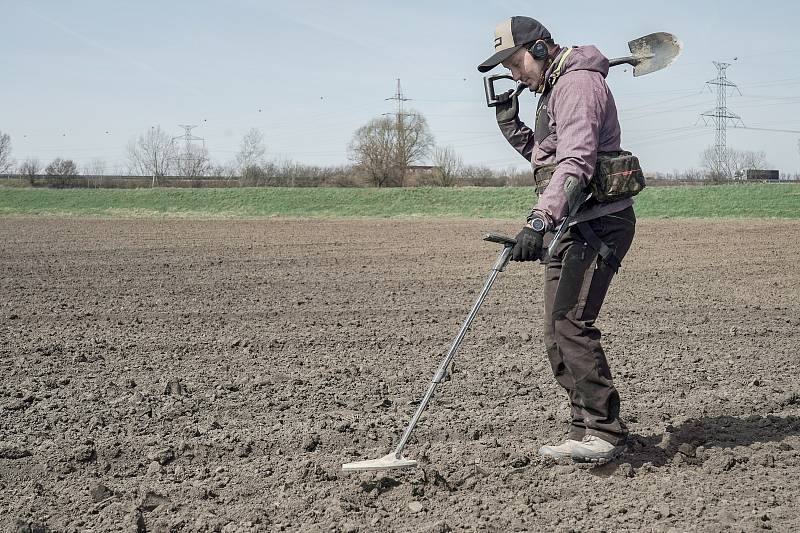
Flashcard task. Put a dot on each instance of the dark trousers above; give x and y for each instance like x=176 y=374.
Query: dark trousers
x=576 y=282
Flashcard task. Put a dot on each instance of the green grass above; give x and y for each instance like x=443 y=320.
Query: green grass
x=740 y=200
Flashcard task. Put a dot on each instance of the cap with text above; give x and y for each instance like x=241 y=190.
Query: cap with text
x=511 y=35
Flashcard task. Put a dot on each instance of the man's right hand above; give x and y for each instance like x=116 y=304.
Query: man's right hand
x=507 y=108
x=529 y=246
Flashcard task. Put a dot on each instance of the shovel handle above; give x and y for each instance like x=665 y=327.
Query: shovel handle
x=630 y=60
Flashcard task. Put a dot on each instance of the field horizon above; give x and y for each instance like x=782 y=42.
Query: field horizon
x=749 y=200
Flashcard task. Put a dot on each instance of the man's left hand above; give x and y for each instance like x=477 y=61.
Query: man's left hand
x=507 y=108
x=528 y=247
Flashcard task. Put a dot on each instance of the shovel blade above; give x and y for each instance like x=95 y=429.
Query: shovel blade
x=654 y=52
x=384 y=463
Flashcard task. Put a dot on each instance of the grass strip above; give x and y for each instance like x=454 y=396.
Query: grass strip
x=752 y=200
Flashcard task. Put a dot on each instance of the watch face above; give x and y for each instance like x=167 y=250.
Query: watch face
x=537 y=224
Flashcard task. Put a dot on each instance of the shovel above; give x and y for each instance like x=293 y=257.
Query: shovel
x=648 y=54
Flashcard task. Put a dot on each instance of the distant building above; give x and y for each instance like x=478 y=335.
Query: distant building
x=419 y=174
x=420 y=169
x=753 y=174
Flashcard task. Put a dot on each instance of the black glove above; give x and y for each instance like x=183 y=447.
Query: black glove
x=508 y=107
x=528 y=247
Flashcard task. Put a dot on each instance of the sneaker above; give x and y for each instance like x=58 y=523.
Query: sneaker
x=562 y=451
x=593 y=449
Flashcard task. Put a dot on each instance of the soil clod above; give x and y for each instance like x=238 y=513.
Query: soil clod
x=174 y=387
x=10 y=450
x=310 y=442
x=100 y=492
x=415 y=506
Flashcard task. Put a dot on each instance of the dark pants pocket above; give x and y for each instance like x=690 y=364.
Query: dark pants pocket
x=569 y=292
x=594 y=292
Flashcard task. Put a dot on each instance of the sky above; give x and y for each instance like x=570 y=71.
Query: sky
x=80 y=79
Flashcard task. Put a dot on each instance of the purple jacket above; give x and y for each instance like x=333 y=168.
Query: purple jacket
x=583 y=121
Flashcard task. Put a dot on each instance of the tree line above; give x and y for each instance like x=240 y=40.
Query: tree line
x=384 y=152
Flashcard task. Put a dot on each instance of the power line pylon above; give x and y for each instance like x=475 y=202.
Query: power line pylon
x=186 y=160
x=188 y=137
x=721 y=116
x=400 y=123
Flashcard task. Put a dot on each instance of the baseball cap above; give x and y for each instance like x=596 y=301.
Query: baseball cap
x=511 y=35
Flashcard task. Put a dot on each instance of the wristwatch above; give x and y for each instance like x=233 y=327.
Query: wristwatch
x=537 y=224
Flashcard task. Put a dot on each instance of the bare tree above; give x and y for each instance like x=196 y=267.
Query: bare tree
x=61 y=171
x=226 y=171
x=372 y=149
x=152 y=154
x=519 y=178
x=255 y=176
x=193 y=161
x=30 y=169
x=447 y=166
x=749 y=159
x=415 y=141
x=384 y=148
x=252 y=150
x=6 y=164
x=734 y=162
x=95 y=167
x=94 y=171
x=482 y=176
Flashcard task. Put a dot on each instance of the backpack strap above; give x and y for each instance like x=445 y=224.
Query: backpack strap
x=605 y=252
x=557 y=72
x=542 y=127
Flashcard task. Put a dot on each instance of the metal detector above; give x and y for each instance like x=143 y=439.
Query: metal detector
x=648 y=54
x=396 y=459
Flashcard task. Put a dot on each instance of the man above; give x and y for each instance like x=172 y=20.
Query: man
x=576 y=118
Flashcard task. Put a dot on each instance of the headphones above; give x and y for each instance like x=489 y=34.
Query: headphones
x=538 y=50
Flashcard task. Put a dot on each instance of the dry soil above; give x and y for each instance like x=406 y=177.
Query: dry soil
x=207 y=375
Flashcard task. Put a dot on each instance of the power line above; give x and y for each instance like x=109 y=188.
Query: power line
x=679 y=137
x=652 y=105
x=769 y=129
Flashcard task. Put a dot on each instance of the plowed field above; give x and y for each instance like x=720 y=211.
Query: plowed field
x=213 y=375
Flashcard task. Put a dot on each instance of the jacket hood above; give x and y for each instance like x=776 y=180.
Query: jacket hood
x=581 y=58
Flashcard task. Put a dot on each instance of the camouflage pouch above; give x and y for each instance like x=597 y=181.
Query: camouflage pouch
x=542 y=175
x=617 y=175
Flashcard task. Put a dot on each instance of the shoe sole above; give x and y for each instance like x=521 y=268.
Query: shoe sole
x=594 y=460
x=555 y=457
x=598 y=460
